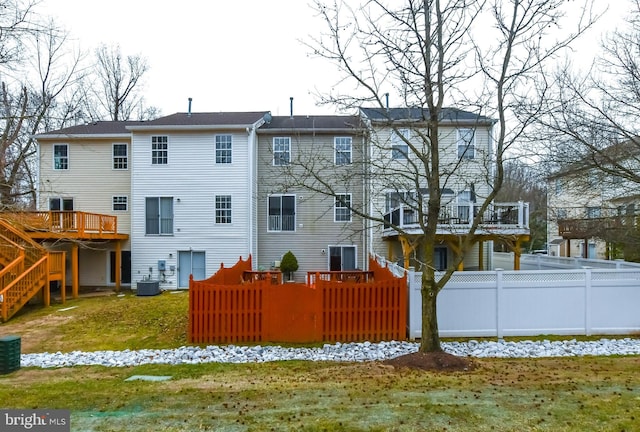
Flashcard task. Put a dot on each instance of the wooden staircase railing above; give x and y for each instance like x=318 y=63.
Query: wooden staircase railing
x=27 y=273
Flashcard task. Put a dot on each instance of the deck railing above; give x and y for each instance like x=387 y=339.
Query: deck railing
x=460 y=215
x=65 y=221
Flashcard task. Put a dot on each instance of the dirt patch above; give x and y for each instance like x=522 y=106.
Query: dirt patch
x=432 y=361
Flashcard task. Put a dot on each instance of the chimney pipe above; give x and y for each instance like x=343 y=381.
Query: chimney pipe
x=189 y=113
x=291 y=107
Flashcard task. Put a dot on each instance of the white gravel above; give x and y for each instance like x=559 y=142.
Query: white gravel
x=342 y=352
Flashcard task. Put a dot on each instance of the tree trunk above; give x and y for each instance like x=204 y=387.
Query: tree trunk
x=430 y=341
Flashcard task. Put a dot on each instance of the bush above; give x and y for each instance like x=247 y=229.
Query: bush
x=289 y=263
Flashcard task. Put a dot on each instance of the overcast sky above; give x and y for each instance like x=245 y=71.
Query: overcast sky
x=228 y=55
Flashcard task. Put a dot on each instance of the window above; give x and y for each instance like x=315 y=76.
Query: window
x=159 y=150
x=159 y=215
x=593 y=179
x=282 y=213
x=223 y=209
x=120 y=203
x=561 y=214
x=58 y=204
x=399 y=148
x=223 y=149
x=466 y=143
x=60 y=157
x=342 y=209
x=120 y=157
x=593 y=212
x=558 y=186
x=281 y=151
x=393 y=200
x=342 y=150
x=342 y=258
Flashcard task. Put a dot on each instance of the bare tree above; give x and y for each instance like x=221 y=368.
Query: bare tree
x=31 y=102
x=115 y=91
x=429 y=54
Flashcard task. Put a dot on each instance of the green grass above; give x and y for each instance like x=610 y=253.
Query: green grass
x=570 y=394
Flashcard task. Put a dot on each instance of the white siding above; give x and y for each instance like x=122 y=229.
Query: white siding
x=192 y=179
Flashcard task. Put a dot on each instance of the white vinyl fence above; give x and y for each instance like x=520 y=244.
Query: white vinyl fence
x=504 y=260
x=527 y=303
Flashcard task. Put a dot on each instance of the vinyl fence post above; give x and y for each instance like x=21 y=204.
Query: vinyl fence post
x=587 y=300
x=499 y=308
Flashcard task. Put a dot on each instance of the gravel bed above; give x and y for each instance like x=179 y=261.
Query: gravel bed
x=342 y=352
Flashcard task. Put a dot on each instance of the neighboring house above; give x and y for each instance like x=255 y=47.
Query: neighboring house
x=466 y=165
x=592 y=206
x=193 y=188
x=321 y=231
x=87 y=168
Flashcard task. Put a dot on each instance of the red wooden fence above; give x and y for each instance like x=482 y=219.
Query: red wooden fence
x=259 y=311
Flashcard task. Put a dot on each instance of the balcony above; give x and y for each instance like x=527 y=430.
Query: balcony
x=44 y=225
x=498 y=219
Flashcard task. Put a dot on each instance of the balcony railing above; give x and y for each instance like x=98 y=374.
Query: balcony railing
x=80 y=223
x=459 y=216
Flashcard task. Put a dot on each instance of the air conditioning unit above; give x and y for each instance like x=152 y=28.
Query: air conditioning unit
x=147 y=288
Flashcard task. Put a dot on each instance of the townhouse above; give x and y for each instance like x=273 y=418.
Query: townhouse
x=194 y=190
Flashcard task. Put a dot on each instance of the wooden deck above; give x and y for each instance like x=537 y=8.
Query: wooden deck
x=72 y=225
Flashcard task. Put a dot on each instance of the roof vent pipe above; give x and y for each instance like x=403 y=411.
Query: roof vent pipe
x=291 y=107
x=386 y=96
x=189 y=113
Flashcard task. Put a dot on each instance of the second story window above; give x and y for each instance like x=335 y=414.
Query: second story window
x=60 y=157
x=223 y=149
x=223 y=209
x=120 y=157
x=159 y=215
x=282 y=213
x=342 y=147
x=281 y=151
x=120 y=203
x=159 y=150
x=399 y=146
x=466 y=143
x=342 y=209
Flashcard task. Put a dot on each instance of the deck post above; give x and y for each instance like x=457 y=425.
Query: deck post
x=118 y=264
x=75 y=277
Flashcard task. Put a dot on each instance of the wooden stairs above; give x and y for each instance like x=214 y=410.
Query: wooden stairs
x=26 y=269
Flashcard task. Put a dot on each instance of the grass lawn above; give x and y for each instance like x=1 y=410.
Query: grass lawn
x=571 y=394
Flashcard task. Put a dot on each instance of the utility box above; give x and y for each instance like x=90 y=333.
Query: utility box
x=162 y=265
x=147 y=288
x=9 y=354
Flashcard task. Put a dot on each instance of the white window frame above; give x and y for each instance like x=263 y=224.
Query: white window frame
x=281 y=151
x=399 y=148
x=61 y=162
x=119 y=200
x=120 y=162
x=342 y=208
x=466 y=146
x=276 y=222
x=162 y=217
x=159 y=150
x=224 y=149
x=343 y=150
x=342 y=249
x=224 y=210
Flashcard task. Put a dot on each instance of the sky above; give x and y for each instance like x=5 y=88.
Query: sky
x=238 y=55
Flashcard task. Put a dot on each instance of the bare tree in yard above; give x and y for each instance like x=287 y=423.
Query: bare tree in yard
x=32 y=88
x=116 y=89
x=592 y=132
x=429 y=55
x=523 y=182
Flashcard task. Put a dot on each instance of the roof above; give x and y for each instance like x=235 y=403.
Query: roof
x=327 y=123
x=203 y=119
x=615 y=153
x=110 y=128
x=453 y=115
